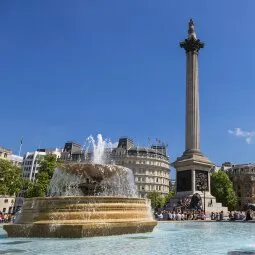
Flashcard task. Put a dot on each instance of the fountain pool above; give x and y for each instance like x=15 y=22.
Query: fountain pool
x=167 y=238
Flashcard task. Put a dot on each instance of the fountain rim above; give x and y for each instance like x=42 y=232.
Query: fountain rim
x=86 y=197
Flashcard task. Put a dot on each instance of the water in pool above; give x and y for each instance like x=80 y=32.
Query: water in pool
x=167 y=238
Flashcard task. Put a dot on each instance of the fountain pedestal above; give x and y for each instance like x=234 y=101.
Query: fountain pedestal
x=86 y=216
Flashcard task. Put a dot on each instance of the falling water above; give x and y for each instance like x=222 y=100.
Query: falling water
x=117 y=180
x=97 y=147
x=64 y=184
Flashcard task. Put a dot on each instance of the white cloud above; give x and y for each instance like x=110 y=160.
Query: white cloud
x=238 y=132
x=248 y=140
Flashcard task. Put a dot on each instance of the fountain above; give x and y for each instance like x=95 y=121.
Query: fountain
x=85 y=200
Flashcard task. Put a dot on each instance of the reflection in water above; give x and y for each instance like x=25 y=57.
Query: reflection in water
x=140 y=237
x=11 y=251
x=241 y=252
x=16 y=242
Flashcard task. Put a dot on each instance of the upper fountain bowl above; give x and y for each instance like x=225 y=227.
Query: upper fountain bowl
x=93 y=180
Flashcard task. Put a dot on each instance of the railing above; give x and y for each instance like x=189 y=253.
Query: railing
x=141 y=156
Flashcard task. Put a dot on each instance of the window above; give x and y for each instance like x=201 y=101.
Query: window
x=4 y=210
x=6 y=201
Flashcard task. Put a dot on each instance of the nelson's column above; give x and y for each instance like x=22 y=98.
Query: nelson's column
x=193 y=168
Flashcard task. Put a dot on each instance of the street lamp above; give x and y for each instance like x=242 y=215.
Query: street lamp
x=203 y=187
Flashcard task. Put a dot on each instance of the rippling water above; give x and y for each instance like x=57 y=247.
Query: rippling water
x=167 y=238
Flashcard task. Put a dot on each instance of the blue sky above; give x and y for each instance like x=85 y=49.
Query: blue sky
x=69 y=69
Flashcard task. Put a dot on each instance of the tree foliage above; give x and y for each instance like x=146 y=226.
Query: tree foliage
x=45 y=172
x=158 y=200
x=222 y=189
x=11 y=179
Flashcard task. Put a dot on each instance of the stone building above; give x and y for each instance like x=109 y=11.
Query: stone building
x=4 y=152
x=150 y=166
x=243 y=178
x=31 y=161
x=8 y=155
x=7 y=204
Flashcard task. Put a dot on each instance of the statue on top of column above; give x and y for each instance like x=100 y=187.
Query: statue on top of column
x=191 y=31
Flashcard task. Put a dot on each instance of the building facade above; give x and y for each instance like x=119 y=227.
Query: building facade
x=15 y=160
x=31 y=162
x=150 y=166
x=8 y=155
x=7 y=204
x=4 y=153
x=243 y=179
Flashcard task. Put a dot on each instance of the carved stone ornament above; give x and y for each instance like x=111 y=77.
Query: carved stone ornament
x=201 y=180
x=192 y=44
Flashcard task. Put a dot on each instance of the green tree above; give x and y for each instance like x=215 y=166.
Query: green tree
x=222 y=189
x=169 y=196
x=157 y=200
x=45 y=172
x=11 y=179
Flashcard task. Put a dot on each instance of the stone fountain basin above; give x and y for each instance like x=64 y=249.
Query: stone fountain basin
x=96 y=172
x=86 y=216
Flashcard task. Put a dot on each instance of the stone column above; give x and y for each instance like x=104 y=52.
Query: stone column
x=192 y=46
x=192 y=103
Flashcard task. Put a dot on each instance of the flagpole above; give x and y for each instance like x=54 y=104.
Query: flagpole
x=21 y=142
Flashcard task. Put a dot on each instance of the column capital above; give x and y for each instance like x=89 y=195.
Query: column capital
x=192 y=45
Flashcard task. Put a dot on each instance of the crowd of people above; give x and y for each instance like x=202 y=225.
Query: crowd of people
x=199 y=215
x=179 y=215
x=248 y=215
x=6 y=217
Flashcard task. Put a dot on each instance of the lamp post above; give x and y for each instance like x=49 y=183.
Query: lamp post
x=204 y=200
x=203 y=187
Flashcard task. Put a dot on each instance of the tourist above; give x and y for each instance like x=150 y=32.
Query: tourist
x=165 y=215
x=221 y=215
x=248 y=215
x=160 y=216
x=231 y=216
x=242 y=216
x=170 y=216
x=236 y=216
x=178 y=216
